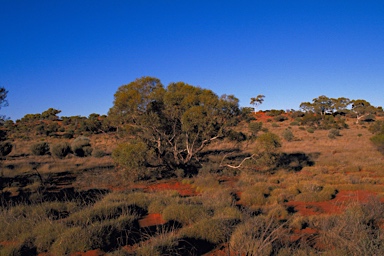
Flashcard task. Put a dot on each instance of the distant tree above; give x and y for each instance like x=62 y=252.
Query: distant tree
x=177 y=122
x=3 y=101
x=362 y=108
x=323 y=105
x=258 y=100
x=5 y=146
x=50 y=114
x=341 y=104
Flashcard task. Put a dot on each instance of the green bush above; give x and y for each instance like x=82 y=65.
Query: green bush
x=5 y=148
x=311 y=130
x=98 y=153
x=378 y=141
x=280 y=118
x=133 y=158
x=255 y=127
x=61 y=149
x=184 y=214
x=333 y=133
x=215 y=230
x=40 y=148
x=288 y=135
x=81 y=146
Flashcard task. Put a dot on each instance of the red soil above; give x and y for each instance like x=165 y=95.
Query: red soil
x=151 y=219
x=261 y=116
x=334 y=206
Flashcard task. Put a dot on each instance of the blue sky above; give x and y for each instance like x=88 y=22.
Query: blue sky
x=73 y=55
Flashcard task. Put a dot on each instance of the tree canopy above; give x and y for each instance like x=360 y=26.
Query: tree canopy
x=323 y=105
x=176 y=122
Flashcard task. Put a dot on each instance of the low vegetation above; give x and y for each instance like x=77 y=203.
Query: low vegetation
x=178 y=170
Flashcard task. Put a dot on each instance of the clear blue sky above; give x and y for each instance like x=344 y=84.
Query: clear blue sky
x=73 y=55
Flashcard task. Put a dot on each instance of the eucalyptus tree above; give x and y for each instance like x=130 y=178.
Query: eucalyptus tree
x=323 y=105
x=174 y=123
x=362 y=108
x=258 y=100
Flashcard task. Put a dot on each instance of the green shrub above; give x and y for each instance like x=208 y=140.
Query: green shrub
x=258 y=236
x=255 y=127
x=256 y=195
x=40 y=148
x=311 y=130
x=133 y=158
x=280 y=118
x=288 y=135
x=378 y=141
x=333 y=133
x=275 y=125
x=81 y=146
x=214 y=230
x=5 y=148
x=98 y=153
x=184 y=214
x=61 y=149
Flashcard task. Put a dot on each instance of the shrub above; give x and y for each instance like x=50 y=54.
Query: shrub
x=184 y=214
x=257 y=236
x=288 y=135
x=333 y=133
x=255 y=127
x=81 y=146
x=378 y=141
x=61 y=149
x=268 y=142
x=236 y=136
x=311 y=130
x=133 y=158
x=40 y=148
x=98 y=153
x=5 y=148
x=212 y=230
x=280 y=118
x=275 y=125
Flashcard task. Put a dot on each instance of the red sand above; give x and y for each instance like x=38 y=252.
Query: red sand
x=151 y=219
x=334 y=206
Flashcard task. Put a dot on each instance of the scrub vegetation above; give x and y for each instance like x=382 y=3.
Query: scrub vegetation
x=178 y=170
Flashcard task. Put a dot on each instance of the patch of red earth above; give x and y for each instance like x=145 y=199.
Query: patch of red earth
x=261 y=116
x=96 y=252
x=334 y=206
x=8 y=243
x=152 y=219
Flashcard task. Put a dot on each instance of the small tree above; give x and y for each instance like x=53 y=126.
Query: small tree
x=362 y=108
x=267 y=148
x=258 y=100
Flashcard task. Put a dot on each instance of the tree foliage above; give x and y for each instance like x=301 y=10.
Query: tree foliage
x=362 y=108
x=323 y=105
x=258 y=100
x=176 y=122
x=133 y=157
